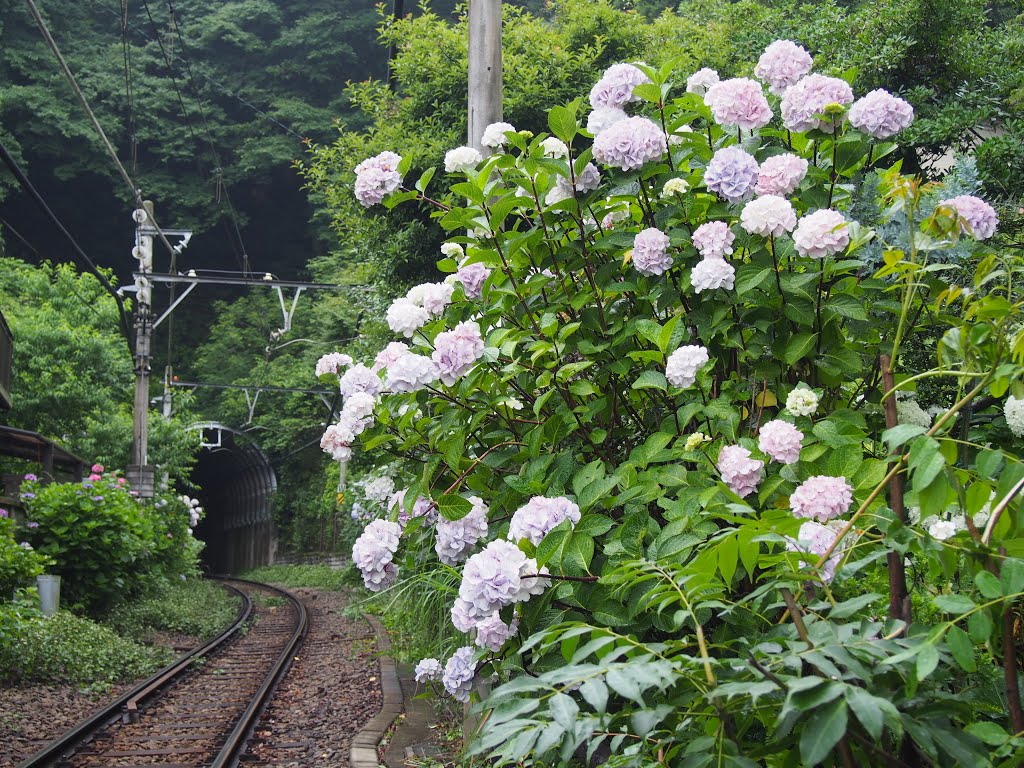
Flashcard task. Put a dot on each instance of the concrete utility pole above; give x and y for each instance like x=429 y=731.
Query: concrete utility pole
x=139 y=473
x=485 y=75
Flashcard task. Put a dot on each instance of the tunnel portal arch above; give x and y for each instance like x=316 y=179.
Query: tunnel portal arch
x=235 y=483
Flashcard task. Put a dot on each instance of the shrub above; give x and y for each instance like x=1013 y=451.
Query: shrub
x=585 y=408
x=194 y=607
x=105 y=543
x=19 y=563
x=315 y=576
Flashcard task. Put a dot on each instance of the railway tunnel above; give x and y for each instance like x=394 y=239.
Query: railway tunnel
x=234 y=482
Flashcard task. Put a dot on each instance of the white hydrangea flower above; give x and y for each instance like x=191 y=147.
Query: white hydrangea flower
x=494 y=134
x=909 y=412
x=453 y=251
x=1013 y=410
x=462 y=159
x=554 y=147
x=406 y=317
x=674 y=187
x=802 y=402
x=683 y=364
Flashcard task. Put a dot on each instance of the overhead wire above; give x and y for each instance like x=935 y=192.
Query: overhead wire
x=69 y=76
x=29 y=189
x=128 y=90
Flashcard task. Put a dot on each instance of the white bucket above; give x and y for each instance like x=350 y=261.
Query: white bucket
x=49 y=594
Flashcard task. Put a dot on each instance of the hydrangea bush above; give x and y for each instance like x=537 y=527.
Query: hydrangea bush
x=648 y=432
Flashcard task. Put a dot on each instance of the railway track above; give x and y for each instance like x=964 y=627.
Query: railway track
x=201 y=710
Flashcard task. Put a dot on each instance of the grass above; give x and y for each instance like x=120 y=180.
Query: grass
x=313 y=576
x=196 y=607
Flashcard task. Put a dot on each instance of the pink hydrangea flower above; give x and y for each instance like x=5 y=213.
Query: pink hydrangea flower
x=455 y=538
x=377 y=177
x=97 y=468
x=701 y=80
x=740 y=472
x=768 y=215
x=711 y=273
x=780 y=175
x=615 y=88
x=822 y=233
x=94 y=477
x=739 y=102
x=682 y=365
x=821 y=498
x=473 y=276
x=389 y=354
x=979 y=218
x=782 y=64
x=781 y=441
x=630 y=143
x=456 y=351
x=359 y=378
x=731 y=174
x=880 y=115
x=410 y=373
x=807 y=99
x=714 y=239
x=650 y=252
x=816 y=539
x=332 y=363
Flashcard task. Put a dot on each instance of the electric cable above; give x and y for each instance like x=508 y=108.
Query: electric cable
x=128 y=89
x=136 y=191
x=26 y=185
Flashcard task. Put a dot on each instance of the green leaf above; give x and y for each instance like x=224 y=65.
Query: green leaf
x=595 y=693
x=865 y=707
x=728 y=556
x=988 y=732
x=1011 y=576
x=750 y=276
x=562 y=122
x=799 y=347
x=594 y=525
x=850 y=607
x=823 y=730
x=960 y=645
x=564 y=710
x=954 y=604
x=651 y=380
x=901 y=433
x=926 y=461
x=988 y=585
x=453 y=507
x=927 y=661
x=979 y=627
x=421 y=183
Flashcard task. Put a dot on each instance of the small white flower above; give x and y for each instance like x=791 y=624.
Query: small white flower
x=1013 y=410
x=452 y=250
x=802 y=402
x=494 y=134
x=554 y=147
x=674 y=187
x=462 y=159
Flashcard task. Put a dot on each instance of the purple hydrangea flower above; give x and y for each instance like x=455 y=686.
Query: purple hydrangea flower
x=650 y=256
x=740 y=472
x=410 y=373
x=427 y=669
x=374 y=551
x=34 y=524
x=539 y=515
x=377 y=177
x=781 y=441
x=979 y=218
x=458 y=674
x=780 y=175
x=389 y=355
x=880 y=115
x=615 y=88
x=807 y=99
x=816 y=539
x=731 y=174
x=31 y=478
x=455 y=538
x=630 y=143
x=473 y=276
x=713 y=240
x=492 y=633
x=738 y=102
x=822 y=233
x=782 y=64
x=822 y=498
x=456 y=351
x=498 y=576
x=359 y=378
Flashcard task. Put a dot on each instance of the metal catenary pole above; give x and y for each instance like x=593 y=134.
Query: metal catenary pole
x=140 y=474
x=485 y=74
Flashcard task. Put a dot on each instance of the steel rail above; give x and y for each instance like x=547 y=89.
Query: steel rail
x=113 y=711
x=230 y=755
x=126 y=706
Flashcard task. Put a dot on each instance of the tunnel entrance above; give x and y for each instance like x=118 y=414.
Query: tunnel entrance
x=234 y=482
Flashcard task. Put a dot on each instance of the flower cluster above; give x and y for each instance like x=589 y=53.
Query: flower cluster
x=816 y=539
x=456 y=351
x=455 y=538
x=782 y=64
x=880 y=115
x=732 y=174
x=462 y=159
x=682 y=365
x=802 y=401
x=377 y=177
x=650 y=252
x=821 y=498
x=379 y=489
x=426 y=670
x=494 y=134
x=332 y=363
x=822 y=233
x=373 y=552
x=539 y=515
x=780 y=175
x=978 y=218
x=458 y=674
x=739 y=102
x=781 y=441
x=630 y=143
x=615 y=88
x=195 y=511
x=1013 y=410
x=473 y=276
x=806 y=101
x=713 y=240
x=768 y=215
x=499 y=576
x=740 y=472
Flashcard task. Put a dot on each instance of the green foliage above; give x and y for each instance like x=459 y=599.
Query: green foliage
x=19 y=565
x=684 y=623
x=68 y=649
x=192 y=607
x=72 y=371
x=315 y=576
x=105 y=543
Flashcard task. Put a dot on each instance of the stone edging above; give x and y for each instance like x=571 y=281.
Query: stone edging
x=363 y=753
